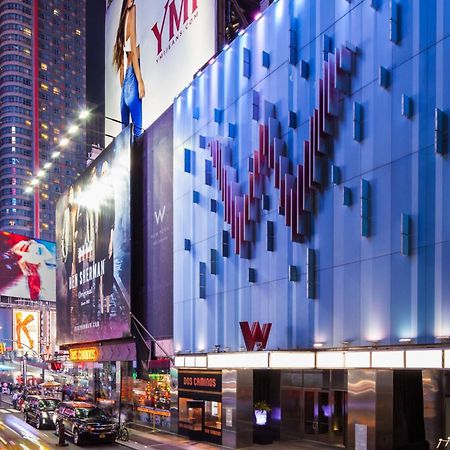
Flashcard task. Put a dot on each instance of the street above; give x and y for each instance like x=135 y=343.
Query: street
x=13 y=420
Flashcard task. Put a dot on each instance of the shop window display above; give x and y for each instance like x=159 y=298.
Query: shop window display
x=147 y=402
x=83 y=379
x=96 y=382
x=105 y=386
x=213 y=418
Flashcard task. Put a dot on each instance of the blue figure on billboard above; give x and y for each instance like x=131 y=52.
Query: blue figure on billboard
x=126 y=49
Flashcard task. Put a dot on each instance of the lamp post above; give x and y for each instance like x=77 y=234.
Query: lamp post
x=25 y=358
x=24 y=370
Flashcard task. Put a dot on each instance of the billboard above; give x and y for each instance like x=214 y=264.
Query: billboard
x=93 y=250
x=6 y=326
x=27 y=267
x=26 y=330
x=49 y=332
x=174 y=39
x=158 y=227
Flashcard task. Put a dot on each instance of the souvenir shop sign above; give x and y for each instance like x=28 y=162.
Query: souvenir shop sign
x=83 y=354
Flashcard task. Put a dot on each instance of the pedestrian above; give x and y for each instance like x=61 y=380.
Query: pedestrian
x=14 y=399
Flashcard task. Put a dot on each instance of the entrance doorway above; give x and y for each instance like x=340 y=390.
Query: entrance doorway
x=193 y=418
x=325 y=415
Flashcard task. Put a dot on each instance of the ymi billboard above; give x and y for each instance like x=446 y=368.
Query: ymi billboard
x=93 y=250
x=152 y=51
x=27 y=267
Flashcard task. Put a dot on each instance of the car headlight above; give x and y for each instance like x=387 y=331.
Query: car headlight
x=44 y=415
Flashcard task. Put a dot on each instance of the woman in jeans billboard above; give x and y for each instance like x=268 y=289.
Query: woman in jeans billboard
x=126 y=60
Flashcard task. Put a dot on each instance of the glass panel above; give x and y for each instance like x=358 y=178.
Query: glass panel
x=213 y=415
x=324 y=412
x=339 y=379
x=313 y=379
x=309 y=413
x=338 y=420
x=147 y=402
x=105 y=386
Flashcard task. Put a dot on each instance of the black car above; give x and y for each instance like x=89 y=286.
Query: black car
x=39 y=410
x=85 y=422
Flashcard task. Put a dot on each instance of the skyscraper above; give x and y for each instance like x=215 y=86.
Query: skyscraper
x=42 y=88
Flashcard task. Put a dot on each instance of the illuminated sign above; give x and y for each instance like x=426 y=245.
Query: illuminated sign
x=100 y=200
x=83 y=354
x=56 y=366
x=255 y=335
x=26 y=331
x=200 y=381
x=175 y=38
x=2 y=348
x=27 y=267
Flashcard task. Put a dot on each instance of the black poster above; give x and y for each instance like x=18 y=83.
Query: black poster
x=158 y=192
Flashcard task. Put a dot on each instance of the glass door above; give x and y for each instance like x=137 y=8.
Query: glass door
x=324 y=416
x=310 y=413
x=317 y=414
x=191 y=418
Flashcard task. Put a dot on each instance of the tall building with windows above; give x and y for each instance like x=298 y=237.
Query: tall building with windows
x=42 y=87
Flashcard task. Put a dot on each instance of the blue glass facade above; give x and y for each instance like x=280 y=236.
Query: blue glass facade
x=373 y=217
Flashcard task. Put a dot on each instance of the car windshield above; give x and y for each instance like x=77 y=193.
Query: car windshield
x=49 y=403
x=90 y=413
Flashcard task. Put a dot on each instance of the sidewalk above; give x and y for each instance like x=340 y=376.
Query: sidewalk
x=164 y=441
x=6 y=398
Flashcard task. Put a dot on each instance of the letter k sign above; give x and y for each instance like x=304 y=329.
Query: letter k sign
x=22 y=327
x=255 y=335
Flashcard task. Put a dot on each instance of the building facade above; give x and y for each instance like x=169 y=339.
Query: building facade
x=42 y=88
x=309 y=194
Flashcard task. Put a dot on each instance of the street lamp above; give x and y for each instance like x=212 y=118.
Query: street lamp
x=84 y=114
x=73 y=129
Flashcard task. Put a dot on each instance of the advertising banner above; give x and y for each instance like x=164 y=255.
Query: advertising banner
x=27 y=267
x=26 y=330
x=93 y=250
x=49 y=332
x=174 y=38
x=6 y=327
x=158 y=197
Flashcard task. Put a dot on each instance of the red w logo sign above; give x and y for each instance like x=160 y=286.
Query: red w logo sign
x=255 y=335
x=56 y=366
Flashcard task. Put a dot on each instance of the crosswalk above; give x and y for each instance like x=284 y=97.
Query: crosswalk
x=9 y=411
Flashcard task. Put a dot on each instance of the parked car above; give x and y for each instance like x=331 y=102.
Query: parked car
x=39 y=410
x=85 y=422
